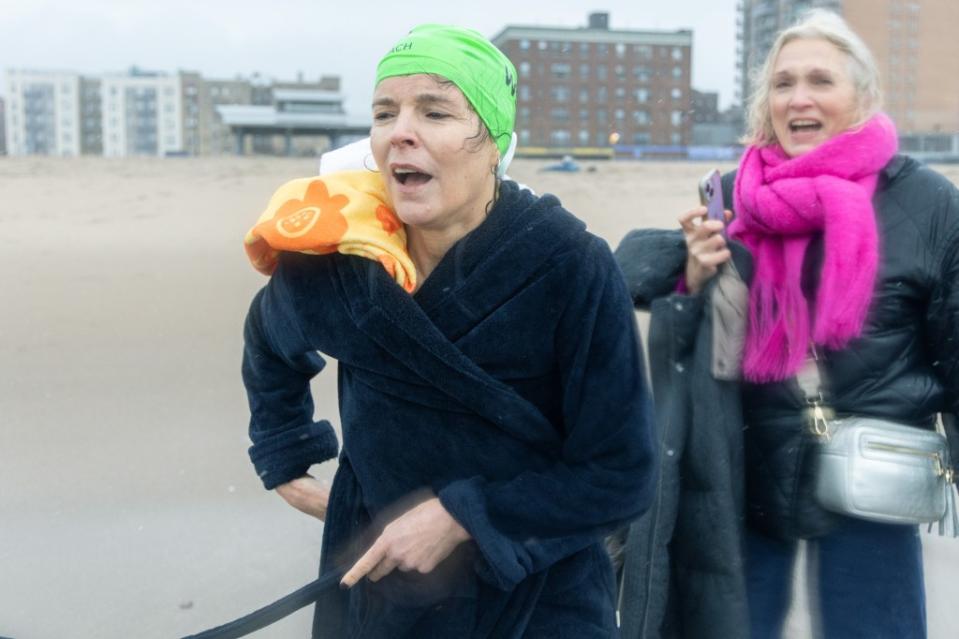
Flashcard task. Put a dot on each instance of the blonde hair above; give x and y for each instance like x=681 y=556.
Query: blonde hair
x=817 y=24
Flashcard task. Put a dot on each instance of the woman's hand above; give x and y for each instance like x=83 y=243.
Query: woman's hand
x=418 y=540
x=307 y=495
x=705 y=246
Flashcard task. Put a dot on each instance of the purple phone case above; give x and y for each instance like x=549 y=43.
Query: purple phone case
x=711 y=196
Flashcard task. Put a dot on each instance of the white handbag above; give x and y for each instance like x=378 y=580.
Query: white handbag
x=878 y=469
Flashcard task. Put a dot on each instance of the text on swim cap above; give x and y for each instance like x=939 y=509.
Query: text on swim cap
x=402 y=46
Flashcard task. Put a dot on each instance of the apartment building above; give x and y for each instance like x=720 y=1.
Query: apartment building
x=155 y=114
x=42 y=114
x=3 y=128
x=91 y=117
x=142 y=114
x=594 y=90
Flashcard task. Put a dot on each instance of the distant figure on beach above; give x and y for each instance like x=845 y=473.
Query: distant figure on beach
x=496 y=423
x=851 y=255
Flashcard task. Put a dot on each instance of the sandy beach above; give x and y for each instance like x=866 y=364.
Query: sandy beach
x=129 y=508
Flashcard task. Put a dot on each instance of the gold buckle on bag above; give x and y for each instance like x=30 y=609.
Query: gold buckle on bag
x=818 y=418
x=944 y=471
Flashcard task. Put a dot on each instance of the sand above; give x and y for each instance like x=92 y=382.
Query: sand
x=129 y=507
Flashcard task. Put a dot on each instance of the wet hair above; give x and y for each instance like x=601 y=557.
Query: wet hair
x=475 y=142
x=482 y=132
x=817 y=24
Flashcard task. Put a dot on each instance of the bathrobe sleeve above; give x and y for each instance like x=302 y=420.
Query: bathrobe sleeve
x=277 y=368
x=602 y=475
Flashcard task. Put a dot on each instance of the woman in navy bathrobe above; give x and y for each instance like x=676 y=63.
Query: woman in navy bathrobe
x=496 y=422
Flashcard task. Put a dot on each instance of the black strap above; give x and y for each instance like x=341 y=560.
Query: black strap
x=277 y=610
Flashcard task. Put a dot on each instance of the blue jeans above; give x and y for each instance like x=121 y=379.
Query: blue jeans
x=865 y=579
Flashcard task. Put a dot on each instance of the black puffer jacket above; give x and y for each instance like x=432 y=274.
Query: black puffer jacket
x=905 y=366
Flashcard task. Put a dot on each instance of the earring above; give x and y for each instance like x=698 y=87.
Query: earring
x=369 y=156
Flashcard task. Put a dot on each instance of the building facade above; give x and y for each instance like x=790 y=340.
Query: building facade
x=142 y=114
x=3 y=128
x=91 y=117
x=595 y=90
x=296 y=119
x=912 y=41
x=155 y=114
x=42 y=113
x=915 y=45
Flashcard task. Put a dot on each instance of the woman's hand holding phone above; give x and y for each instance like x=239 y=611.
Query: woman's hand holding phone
x=704 y=231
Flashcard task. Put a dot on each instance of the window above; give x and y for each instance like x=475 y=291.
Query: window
x=676 y=118
x=643 y=74
x=620 y=115
x=641 y=95
x=583 y=137
x=677 y=72
x=559 y=114
x=619 y=93
x=641 y=117
x=677 y=53
x=620 y=72
x=542 y=45
x=602 y=49
x=601 y=117
x=583 y=48
x=643 y=51
x=601 y=95
x=641 y=138
x=584 y=72
x=675 y=138
x=524 y=45
x=524 y=69
x=560 y=137
x=584 y=114
x=524 y=136
x=584 y=95
x=601 y=72
x=560 y=70
x=523 y=113
x=559 y=93
x=523 y=93
x=677 y=94
x=620 y=49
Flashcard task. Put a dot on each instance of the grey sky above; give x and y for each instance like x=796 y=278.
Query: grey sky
x=222 y=38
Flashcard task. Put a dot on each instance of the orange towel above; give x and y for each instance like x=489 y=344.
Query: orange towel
x=345 y=211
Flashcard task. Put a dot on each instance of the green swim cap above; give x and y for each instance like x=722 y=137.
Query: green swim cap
x=467 y=59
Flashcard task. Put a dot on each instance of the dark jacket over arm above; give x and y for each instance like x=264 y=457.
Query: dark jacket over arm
x=683 y=572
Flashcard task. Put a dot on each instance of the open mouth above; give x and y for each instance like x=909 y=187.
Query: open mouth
x=411 y=177
x=804 y=126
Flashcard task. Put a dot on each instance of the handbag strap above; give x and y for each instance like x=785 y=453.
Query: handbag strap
x=810 y=379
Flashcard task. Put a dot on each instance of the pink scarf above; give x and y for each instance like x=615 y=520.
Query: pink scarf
x=781 y=202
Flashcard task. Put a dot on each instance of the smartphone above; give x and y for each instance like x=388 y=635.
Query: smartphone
x=711 y=196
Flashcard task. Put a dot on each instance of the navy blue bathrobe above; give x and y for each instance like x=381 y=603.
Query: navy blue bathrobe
x=510 y=385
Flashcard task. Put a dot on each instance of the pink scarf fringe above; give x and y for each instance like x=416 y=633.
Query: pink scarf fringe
x=781 y=202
